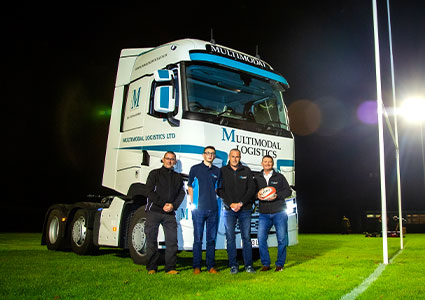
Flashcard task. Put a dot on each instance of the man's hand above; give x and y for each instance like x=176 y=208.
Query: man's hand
x=236 y=206
x=259 y=196
x=190 y=192
x=168 y=207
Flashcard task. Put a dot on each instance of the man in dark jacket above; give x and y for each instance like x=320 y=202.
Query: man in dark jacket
x=165 y=194
x=272 y=212
x=237 y=191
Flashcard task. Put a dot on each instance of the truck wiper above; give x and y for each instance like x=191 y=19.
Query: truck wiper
x=228 y=110
x=275 y=122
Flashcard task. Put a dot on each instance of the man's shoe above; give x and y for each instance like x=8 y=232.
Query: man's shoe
x=151 y=272
x=265 y=268
x=196 y=271
x=250 y=269
x=234 y=270
x=278 y=269
x=173 y=272
x=212 y=271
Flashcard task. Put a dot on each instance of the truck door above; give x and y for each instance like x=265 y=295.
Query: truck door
x=130 y=156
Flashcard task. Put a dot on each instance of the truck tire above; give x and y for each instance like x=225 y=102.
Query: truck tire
x=54 y=232
x=81 y=236
x=137 y=237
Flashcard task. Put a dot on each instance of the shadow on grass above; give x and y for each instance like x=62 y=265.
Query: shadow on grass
x=307 y=250
x=121 y=253
x=185 y=263
x=184 y=258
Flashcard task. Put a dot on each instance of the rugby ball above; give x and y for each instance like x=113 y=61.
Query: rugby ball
x=267 y=193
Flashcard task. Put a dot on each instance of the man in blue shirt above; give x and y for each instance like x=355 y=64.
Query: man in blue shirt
x=204 y=179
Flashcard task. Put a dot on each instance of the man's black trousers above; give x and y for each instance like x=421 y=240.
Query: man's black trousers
x=169 y=224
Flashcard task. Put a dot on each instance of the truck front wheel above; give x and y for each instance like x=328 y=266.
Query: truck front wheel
x=137 y=237
x=81 y=235
x=55 y=231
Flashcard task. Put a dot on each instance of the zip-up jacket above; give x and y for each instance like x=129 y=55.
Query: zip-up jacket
x=237 y=186
x=164 y=186
x=279 y=182
x=204 y=180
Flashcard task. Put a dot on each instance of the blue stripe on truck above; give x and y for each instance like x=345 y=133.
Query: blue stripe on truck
x=238 y=65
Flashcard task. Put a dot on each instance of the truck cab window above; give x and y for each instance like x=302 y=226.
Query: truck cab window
x=221 y=92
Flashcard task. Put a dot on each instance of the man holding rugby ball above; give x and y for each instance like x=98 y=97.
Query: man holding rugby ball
x=272 y=209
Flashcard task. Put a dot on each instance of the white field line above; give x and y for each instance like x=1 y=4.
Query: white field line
x=368 y=281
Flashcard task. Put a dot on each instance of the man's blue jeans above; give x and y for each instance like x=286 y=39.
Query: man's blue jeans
x=200 y=218
x=244 y=219
x=280 y=222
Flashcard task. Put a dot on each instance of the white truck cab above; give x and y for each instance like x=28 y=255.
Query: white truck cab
x=180 y=97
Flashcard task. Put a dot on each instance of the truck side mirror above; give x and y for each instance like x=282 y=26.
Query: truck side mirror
x=164 y=100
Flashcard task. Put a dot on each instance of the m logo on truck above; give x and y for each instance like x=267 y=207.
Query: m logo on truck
x=228 y=136
x=135 y=101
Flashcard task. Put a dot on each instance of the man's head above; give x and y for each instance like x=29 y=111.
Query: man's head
x=209 y=154
x=267 y=163
x=169 y=159
x=234 y=158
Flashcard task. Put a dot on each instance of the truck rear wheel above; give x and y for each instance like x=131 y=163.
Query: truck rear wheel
x=137 y=237
x=55 y=231
x=81 y=236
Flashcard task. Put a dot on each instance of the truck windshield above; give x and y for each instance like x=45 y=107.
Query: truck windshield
x=235 y=95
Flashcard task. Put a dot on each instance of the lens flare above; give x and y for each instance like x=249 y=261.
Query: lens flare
x=413 y=110
x=366 y=112
x=305 y=117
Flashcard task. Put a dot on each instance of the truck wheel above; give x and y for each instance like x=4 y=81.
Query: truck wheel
x=81 y=235
x=137 y=237
x=54 y=231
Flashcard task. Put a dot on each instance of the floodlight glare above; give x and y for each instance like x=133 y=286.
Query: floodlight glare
x=413 y=110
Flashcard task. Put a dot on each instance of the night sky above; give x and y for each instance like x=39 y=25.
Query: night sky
x=60 y=67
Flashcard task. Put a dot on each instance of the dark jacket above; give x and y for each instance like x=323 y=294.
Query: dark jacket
x=164 y=186
x=279 y=182
x=237 y=186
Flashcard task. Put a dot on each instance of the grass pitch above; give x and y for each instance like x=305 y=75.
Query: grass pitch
x=321 y=266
